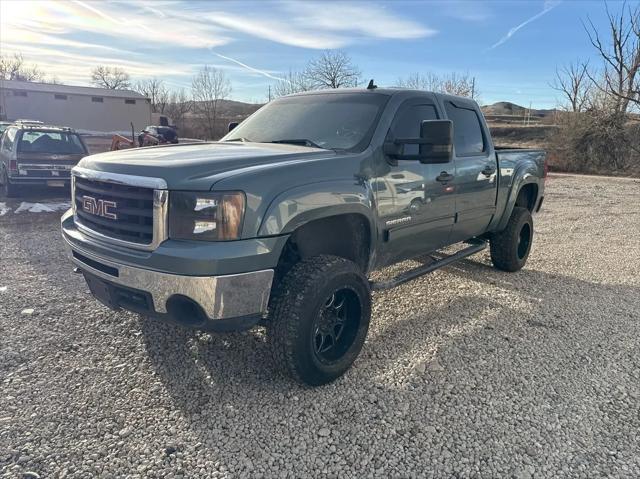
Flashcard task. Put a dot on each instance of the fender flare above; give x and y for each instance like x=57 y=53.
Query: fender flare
x=522 y=178
x=297 y=206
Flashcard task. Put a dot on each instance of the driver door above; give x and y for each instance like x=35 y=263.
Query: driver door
x=416 y=210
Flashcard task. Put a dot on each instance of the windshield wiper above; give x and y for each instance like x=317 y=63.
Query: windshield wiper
x=301 y=141
x=242 y=139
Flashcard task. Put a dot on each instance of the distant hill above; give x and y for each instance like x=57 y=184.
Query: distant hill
x=234 y=110
x=502 y=110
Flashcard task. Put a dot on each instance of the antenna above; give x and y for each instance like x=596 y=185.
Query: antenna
x=371 y=85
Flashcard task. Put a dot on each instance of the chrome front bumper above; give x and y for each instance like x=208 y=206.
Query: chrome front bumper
x=220 y=297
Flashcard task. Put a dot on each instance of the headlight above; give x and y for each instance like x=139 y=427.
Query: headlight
x=205 y=216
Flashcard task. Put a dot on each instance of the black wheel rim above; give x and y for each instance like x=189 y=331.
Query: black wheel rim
x=336 y=325
x=524 y=240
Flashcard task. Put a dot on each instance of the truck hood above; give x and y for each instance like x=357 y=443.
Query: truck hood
x=197 y=166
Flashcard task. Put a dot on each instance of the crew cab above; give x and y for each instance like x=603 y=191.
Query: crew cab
x=281 y=222
x=34 y=154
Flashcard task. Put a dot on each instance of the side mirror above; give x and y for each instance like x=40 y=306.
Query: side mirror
x=436 y=145
x=232 y=125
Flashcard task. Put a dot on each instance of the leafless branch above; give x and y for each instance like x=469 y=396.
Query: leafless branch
x=15 y=68
x=113 y=78
x=208 y=87
x=156 y=92
x=332 y=69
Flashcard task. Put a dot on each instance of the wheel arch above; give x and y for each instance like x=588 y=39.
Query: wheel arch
x=347 y=235
x=523 y=193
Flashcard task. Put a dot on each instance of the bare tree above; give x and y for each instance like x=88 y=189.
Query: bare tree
x=420 y=81
x=178 y=106
x=620 y=54
x=208 y=87
x=459 y=84
x=452 y=83
x=15 y=68
x=156 y=92
x=293 y=82
x=113 y=78
x=332 y=69
x=573 y=82
x=599 y=99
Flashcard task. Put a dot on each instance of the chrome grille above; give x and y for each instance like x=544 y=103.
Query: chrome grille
x=134 y=210
x=137 y=211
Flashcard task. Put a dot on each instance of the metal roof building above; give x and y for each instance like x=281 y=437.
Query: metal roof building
x=83 y=108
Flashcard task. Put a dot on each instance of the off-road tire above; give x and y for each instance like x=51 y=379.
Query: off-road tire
x=296 y=306
x=508 y=252
x=7 y=190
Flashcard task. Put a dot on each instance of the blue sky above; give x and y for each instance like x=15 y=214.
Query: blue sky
x=511 y=47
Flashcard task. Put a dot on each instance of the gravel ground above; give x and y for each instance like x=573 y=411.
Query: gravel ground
x=468 y=372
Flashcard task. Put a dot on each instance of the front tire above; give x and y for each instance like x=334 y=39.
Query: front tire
x=510 y=248
x=319 y=319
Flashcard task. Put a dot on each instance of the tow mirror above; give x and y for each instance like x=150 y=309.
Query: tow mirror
x=436 y=145
x=232 y=125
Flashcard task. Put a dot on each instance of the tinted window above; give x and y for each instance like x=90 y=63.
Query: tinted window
x=8 y=139
x=168 y=133
x=335 y=121
x=467 y=132
x=50 y=142
x=407 y=124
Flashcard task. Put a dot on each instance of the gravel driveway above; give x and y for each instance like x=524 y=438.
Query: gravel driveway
x=467 y=372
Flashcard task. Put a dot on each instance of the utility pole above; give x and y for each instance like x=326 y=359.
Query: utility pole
x=473 y=88
x=269 y=93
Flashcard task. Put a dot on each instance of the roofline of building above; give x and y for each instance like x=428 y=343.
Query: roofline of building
x=75 y=89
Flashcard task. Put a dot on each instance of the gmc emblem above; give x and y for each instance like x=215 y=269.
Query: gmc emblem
x=103 y=208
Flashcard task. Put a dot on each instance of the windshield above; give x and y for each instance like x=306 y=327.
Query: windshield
x=333 y=121
x=61 y=143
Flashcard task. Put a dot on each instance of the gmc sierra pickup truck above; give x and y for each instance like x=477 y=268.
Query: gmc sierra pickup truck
x=281 y=221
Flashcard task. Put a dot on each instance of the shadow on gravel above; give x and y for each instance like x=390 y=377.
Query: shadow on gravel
x=199 y=368
x=541 y=285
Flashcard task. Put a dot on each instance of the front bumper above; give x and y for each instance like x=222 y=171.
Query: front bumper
x=210 y=302
x=40 y=181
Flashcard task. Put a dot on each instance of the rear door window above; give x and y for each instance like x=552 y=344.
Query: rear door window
x=467 y=130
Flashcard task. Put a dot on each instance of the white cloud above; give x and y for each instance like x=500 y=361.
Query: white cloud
x=548 y=6
x=68 y=38
x=322 y=25
x=119 y=21
x=468 y=11
x=75 y=67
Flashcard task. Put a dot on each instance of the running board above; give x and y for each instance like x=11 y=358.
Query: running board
x=476 y=247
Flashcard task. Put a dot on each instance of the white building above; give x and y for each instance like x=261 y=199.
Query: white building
x=82 y=108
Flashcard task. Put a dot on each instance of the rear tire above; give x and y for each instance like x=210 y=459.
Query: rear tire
x=319 y=318
x=7 y=190
x=510 y=248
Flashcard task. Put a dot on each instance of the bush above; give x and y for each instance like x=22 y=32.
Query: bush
x=596 y=142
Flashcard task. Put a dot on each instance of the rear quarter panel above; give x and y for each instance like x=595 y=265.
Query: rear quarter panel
x=517 y=167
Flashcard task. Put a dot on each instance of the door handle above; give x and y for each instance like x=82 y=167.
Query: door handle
x=444 y=177
x=488 y=170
